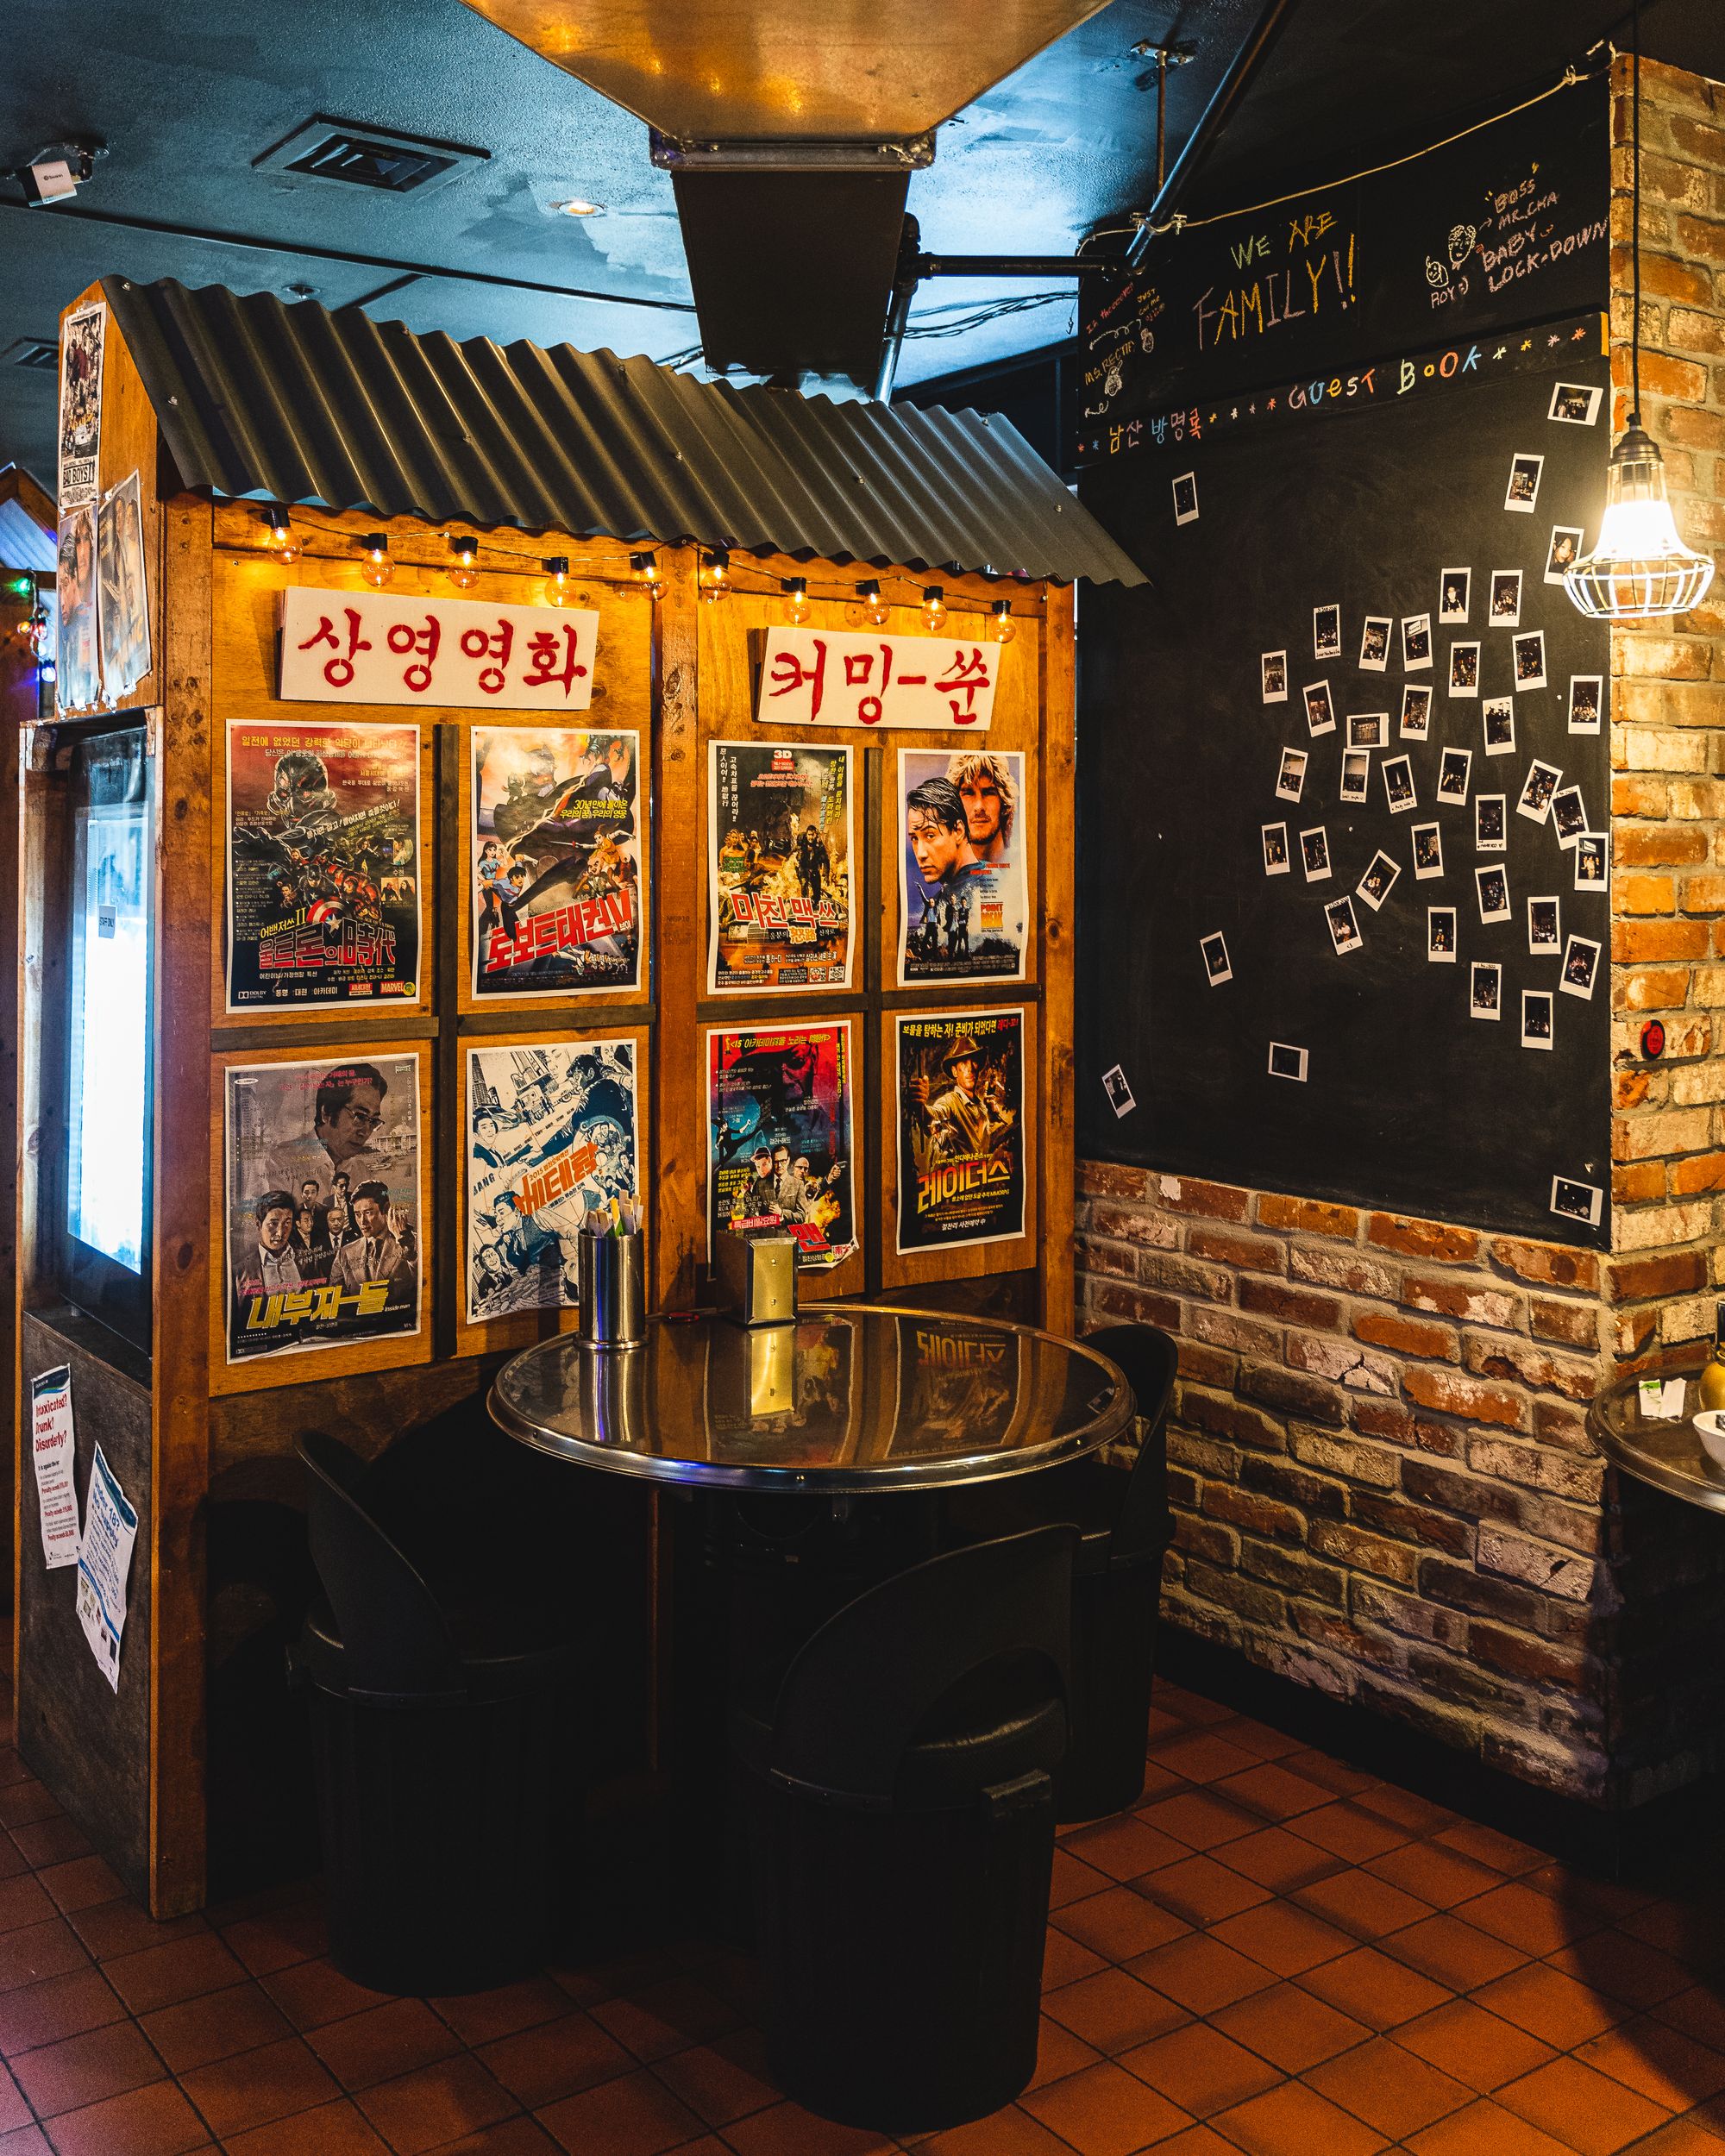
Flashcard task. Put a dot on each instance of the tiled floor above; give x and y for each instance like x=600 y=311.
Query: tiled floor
x=1274 y=1956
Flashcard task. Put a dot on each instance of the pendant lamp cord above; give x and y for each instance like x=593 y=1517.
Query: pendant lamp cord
x=1635 y=207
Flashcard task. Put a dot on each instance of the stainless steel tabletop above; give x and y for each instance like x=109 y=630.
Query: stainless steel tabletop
x=853 y=1399
x=1668 y=1454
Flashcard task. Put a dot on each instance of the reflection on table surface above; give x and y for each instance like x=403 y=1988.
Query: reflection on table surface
x=1667 y=1452
x=850 y=1397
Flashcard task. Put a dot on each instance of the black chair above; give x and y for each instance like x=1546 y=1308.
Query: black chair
x=450 y=1776
x=902 y=1823
x=1125 y=1525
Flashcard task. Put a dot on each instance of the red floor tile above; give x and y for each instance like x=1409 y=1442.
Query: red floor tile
x=1295 y=2121
x=1274 y=1791
x=434 y=2105
x=1361 y=1903
x=1105 y=2111
x=1658 y=2062
x=40 y=1951
x=523 y=2136
x=1389 y=2088
x=155 y=2121
x=722 y=2082
x=1289 y=2027
x=788 y=2130
x=59 y=2006
x=1202 y=1756
x=1125 y=1848
x=1120 y=1923
x=164 y=1976
x=1596 y=2115
x=481 y=2016
x=384 y=2041
x=1199 y=1890
x=198 y=2032
x=1485 y=2129
x=634 y=2116
x=1200 y=1819
x=543 y=2064
x=1059 y=2052
x=1278 y=1860
x=1549 y=2005
x=1623 y=1968
x=278 y=1939
x=333 y=2129
x=50 y=1841
x=1523 y=1916
x=1064 y=1961
x=666 y=2017
x=108 y=1928
x=1286 y=1938
x=1486 y=1845
x=1112 y=2010
x=1451 y=1951
x=1441 y=1877
x=1200 y=2068
x=1478 y=2047
x=311 y=1993
x=1374 y=1988
x=1072 y=1879
x=83 y=1884
x=1349 y=1831
x=83 y=2070
x=277 y=2081
x=1201 y=1973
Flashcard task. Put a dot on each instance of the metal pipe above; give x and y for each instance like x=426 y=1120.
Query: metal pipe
x=905 y=276
x=1017 y=266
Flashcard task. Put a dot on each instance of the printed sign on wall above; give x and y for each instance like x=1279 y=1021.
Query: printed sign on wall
x=405 y=647
x=817 y=677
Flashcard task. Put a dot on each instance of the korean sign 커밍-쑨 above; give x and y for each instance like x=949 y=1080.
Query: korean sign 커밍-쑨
x=401 y=648
x=818 y=677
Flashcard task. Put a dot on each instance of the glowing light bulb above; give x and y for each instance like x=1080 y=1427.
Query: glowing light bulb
x=797 y=607
x=1004 y=628
x=466 y=572
x=934 y=608
x=1640 y=565
x=715 y=574
x=36 y=628
x=375 y=565
x=644 y=568
x=556 y=568
x=283 y=541
x=48 y=670
x=873 y=606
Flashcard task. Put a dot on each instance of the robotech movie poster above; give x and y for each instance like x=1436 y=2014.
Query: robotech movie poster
x=779 y=1109
x=322 y=863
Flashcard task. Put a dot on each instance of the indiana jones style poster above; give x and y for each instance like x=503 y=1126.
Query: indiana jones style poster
x=961 y=1134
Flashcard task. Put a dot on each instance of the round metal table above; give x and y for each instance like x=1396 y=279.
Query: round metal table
x=1668 y=1454
x=852 y=1399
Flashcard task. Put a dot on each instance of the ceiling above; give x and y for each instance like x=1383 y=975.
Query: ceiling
x=189 y=97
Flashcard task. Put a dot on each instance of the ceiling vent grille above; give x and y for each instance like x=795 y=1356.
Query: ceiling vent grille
x=344 y=153
x=32 y=352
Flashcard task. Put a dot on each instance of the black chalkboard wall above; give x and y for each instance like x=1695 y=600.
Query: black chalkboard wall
x=1407 y=1100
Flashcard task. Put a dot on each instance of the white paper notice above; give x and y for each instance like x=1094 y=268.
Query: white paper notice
x=51 y=1447
x=406 y=647
x=111 y=1527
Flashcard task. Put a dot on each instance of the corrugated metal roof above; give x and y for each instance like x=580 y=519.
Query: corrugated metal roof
x=293 y=403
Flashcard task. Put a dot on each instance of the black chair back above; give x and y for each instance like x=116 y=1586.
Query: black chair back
x=1149 y=1358
x=854 y=1698
x=395 y=1641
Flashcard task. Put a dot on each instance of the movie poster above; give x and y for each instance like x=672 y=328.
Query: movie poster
x=325 y=1225
x=961 y=1129
x=80 y=406
x=551 y=1144
x=556 y=835
x=778 y=820
x=123 y=607
x=323 y=863
x=77 y=680
x=779 y=1107
x=963 y=912
x=961 y=1388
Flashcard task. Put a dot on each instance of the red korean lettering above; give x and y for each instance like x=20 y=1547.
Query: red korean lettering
x=548 y=663
x=338 y=671
x=476 y=644
x=858 y=668
x=404 y=638
x=791 y=674
x=968 y=673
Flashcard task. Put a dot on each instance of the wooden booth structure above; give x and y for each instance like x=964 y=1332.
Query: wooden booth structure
x=398 y=532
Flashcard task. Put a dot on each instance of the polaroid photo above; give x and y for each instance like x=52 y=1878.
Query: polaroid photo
x=1119 y=1092
x=1545 y=935
x=1453 y=773
x=1492 y=886
x=1214 y=951
x=1569 y=818
x=1274 y=665
x=1416 y=642
x=1464 y=669
x=1398 y=784
x=1572 y=1200
x=1314 y=854
x=1416 y=710
x=1530 y=660
x=1275 y=838
x=1536 y=1018
x=1454 y=588
x=1356 y=775
x=1368 y=730
x=1485 y=991
x=1441 y=934
x=1186 y=499
x=1575 y=404
x=1320 y=710
x=1505 y=610
x=1593 y=862
x=1339 y=917
x=1428 y=852
x=1374 y=642
x=1379 y=880
x=1523 y=489
x=1542 y=781
x=1586 y=695
x=1287 y=1061
x=1491 y=832
x=1564 y=552
x=1326 y=632
x=1497 y=716
x=1290 y=779
x=1580 y=968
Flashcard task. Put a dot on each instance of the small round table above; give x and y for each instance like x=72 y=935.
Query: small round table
x=852 y=1399
x=1668 y=1454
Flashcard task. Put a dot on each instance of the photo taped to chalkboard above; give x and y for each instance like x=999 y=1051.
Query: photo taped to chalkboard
x=1497 y=718
x=1464 y=669
x=1569 y=815
x=1485 y=991
x=1398 y=784
x=1593 y=862
x=1287 y=1061
x=1326 y=632
x=1290 y=779
x=1545 y=931
x=1186 y=499
x=1314 y=854
x=1119 y=1092
x=1454 y=588
x=1275 y=665
x=1490 y=828
x=1506 y=599
x=1379 y=880
x=1586 y=694
x=1530 y=660
x=1339 y=917
x=1275 y=861
x=1542 y=781
x=1215 y=951
x=1453 y=775
x=1356 y=775
x=1564 y=551
x=1577 y=404
x=1572 y=1200
x=1536 y=1018
x=1416 y=710
x=1368 y=730
x=1374 y=644
x=1492 y=887
x=1580 y=968
x=1320 y=710
x=1523 y=489
x=1416 y=642
x=1428 y=852
x=1441 y=934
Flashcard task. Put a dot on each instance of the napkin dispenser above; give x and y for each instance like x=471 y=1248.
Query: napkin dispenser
x=756 y=1278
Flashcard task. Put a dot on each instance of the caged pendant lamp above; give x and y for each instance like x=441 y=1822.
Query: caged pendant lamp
x=1640 y=565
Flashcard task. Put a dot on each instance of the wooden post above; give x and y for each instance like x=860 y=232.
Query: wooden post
x=1058 y=760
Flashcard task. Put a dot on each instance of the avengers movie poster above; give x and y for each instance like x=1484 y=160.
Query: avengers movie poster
x=778 y=819
x=961 y=1129
x=325 y=1220
x=963 y=911
x=779 y=1108
x=322 y=863
x=556 y=836
x=551 y=1146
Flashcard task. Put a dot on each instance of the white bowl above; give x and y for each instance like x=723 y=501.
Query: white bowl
x=1710 y=1427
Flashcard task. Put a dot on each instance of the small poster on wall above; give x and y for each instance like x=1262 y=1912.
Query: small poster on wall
x=960 y=1081
x=778 y=841
x=551 y=1145
x=556 y=828
x=123 y=608
x=78 y=680
x=81 y=341
x=963 y=911
x=779 y=1111
x=105 y=1561
x=323 y=1206
x=323 y=863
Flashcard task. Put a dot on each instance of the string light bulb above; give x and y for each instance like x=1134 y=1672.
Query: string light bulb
x=36 y=630
x=375 y=565
x=283 y=541
x=46 y=669
x=1004 y=629
x=797 y=607
x=556 y=568
x=934 y=608
x=715 y=574
x=644 y=568
x=873 y=606
x=465 y=572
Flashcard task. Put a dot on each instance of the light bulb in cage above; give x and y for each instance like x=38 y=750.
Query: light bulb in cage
x=1640 y=565
x=464 y=570
x=375 y=565
x=797 y=607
